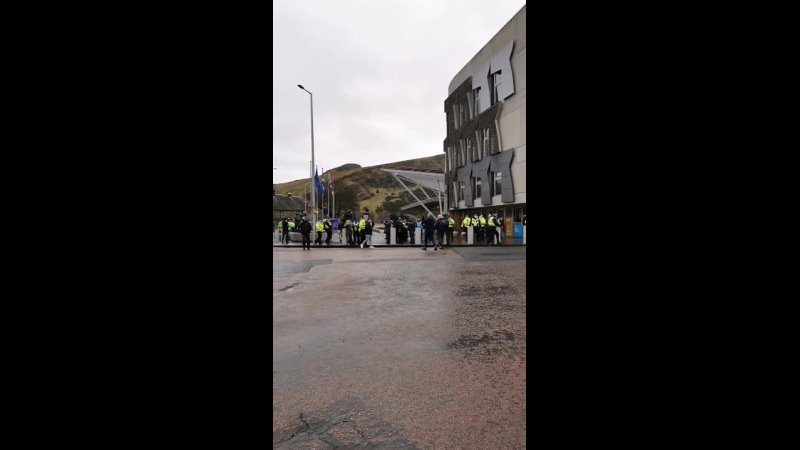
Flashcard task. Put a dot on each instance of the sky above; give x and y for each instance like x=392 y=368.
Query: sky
x=379 y=71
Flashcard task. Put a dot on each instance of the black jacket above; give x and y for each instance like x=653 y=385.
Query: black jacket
x=428 y=224
x=305 y=227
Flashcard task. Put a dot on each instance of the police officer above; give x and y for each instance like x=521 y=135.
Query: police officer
x=451 y=223
x=482 y=228
x=328 y=231
x=285 y=231
x=466 y=224
x=490 y=230
x=362 y=226
x=320 y=229
x=476 y=231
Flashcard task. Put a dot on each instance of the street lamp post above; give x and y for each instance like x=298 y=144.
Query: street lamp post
x=313 y=190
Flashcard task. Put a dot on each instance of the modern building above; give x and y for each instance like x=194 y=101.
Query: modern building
x=486 y=140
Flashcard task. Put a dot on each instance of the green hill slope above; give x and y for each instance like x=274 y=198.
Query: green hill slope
x=359 y=187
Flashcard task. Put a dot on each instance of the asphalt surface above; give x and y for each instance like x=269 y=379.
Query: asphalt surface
x=399 y=349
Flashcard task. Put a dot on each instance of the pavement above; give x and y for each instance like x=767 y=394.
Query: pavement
x=399 y=348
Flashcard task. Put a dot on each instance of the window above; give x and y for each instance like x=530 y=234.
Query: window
x=461 y=190
x=477 y=98
x=497 y=80
x=470 y=149
x=477 y=188
x=498 y=183
x=487 y=141
x=462 y=114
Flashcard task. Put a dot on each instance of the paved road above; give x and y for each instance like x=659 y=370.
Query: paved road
x=399 y=348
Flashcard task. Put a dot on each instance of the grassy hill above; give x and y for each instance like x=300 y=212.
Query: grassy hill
x=359 y=187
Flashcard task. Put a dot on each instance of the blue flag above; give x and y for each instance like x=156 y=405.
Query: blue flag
x=317 y=184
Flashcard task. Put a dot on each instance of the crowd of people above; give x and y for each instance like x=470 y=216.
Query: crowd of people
x=438 y=230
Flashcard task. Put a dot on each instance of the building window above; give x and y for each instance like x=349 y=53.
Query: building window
x=477 y=189
x=470 y=149
x=462 y=114
x=462 y=186
x=477 y=96
x=487 y=141
x=497 y=80
x=498 y=183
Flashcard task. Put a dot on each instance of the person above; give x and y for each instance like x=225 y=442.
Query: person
x=412 y=225
x=429 y=225
x=362 y=225
x=465 y=226
x=491 y=230
x=451 y=224
x=305 y=231
x=320 y=229
x=402 y=231
x=482 y=228
x=474 y=224
x=387 y=226
x=328 y=230
x=285 y=231
x=348 y=231
x=441 y=229
x=367 y=234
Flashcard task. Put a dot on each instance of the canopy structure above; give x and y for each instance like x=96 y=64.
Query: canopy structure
x=426 y=181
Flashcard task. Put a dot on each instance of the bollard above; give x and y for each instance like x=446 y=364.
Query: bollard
x=393 y=236
x=524 y=234
x=471 y=236
x=418 y=235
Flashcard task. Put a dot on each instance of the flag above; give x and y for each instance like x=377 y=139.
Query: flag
x=322 y=182
x=320 y=188
x=330 y=181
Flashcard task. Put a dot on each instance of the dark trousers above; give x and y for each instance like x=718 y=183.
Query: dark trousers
x=318 y=240
x=307 y=240
x=429 y=237
x=440 y=234
x=328 y=240
x=481 y=234
x=411 y=234
x=449 y=236
x=285 y=237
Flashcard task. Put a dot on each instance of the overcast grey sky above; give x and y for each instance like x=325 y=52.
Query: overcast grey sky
x=379 y=71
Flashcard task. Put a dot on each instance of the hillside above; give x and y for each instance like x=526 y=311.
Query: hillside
x=368 y=187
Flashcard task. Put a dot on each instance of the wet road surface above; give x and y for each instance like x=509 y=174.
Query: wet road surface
x=399 y=348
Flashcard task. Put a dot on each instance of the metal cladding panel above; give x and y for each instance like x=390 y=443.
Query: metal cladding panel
x=480 y=170
x=480 y=79
x=502 y=61
x=464 y=173
x=501 y=162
